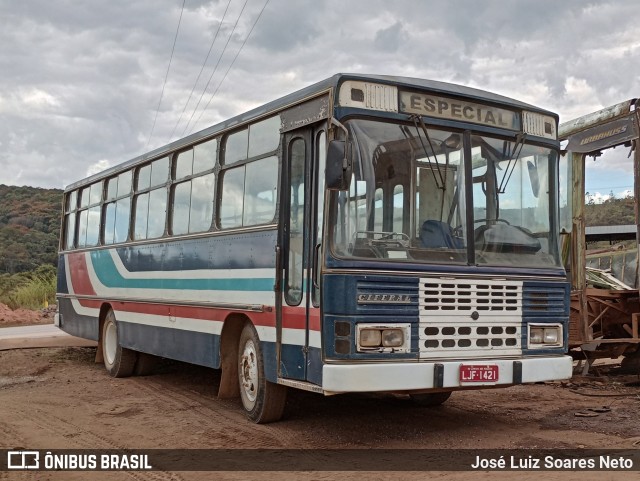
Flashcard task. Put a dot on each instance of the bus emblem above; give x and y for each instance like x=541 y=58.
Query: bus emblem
x=384 y=299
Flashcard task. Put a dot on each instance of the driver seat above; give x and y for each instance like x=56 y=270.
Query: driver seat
x=435 y=234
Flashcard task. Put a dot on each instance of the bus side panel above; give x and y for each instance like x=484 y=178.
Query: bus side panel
x=314 y=356
x=182 y=345
x=314 y=365
x=172 y=297
x=76 y=324
x=270 y=359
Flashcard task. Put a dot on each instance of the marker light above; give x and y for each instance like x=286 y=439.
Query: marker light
x=367 y=95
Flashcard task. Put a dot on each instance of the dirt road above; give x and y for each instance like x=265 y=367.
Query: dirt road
x=59 y=398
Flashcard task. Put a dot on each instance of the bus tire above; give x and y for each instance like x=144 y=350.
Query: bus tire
x=262 y=400
x=118 y=360
x=145 y=364
x=430 y=398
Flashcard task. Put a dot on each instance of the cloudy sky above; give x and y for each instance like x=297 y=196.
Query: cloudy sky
x=81 y=81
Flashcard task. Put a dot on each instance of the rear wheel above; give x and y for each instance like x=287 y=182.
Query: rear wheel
x=430 y=399
x=145 y=364
x=262 y=400
x=118 y=360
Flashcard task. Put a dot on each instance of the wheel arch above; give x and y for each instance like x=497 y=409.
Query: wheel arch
x=229 y=339
x=104 y=309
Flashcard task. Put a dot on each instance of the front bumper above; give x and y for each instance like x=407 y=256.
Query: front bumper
x=409 y=376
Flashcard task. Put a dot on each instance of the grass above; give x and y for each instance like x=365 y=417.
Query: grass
x=35 y=293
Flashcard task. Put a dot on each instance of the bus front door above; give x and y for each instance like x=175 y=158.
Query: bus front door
x=298 y=317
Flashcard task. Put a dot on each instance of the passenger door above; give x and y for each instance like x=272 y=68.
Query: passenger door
x=300 y=213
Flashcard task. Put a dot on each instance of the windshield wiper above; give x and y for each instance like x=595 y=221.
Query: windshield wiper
x=417 y=121
x=513 y=155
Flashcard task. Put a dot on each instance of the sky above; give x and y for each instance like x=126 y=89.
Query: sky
x=82 y=84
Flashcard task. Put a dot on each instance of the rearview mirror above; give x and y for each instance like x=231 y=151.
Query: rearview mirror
x=533 y=177
x=339 y=165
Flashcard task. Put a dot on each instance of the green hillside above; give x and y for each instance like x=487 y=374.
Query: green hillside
x=29 y=227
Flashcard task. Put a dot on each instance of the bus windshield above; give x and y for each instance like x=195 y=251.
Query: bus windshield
x=408 y=199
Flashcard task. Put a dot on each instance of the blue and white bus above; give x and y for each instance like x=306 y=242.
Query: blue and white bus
x=364 y=234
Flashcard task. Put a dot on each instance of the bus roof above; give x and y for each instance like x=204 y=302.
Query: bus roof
x=302 y=94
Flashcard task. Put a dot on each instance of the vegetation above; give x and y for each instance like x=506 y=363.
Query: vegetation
x=29 y=227
x=29 y=230
x=29 y=290
x=612 y=211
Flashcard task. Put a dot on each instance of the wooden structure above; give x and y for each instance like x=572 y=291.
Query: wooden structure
x=604 y=322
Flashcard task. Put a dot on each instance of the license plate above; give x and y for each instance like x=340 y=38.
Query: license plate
x=475 y=373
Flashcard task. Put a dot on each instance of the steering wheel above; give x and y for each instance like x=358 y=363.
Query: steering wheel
x=475 y=221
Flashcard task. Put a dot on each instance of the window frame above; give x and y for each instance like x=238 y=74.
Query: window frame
x=242 y=163
x=70 y=210
x=90 y=206
x=175 y=182
x=148 y=189
x=114 y=201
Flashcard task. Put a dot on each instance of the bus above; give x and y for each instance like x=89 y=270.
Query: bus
x=364 y=234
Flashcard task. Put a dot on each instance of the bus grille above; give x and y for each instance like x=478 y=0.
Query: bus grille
x=470 y=340
x=458 y=296
x=461 y=318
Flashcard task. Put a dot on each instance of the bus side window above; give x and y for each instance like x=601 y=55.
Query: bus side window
x=118 y=209
x=248 y=193
x=89 y=215
x=260 y=186
x=151 y=201
x=71 y=207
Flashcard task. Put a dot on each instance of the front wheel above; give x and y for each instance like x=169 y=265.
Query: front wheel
x=262 y=400
x=430 y=399
x=119 y=361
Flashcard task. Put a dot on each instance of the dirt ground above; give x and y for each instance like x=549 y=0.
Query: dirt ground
x=59 y=398
x=25 y=317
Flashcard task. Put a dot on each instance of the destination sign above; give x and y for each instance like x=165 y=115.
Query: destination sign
x=455 y=109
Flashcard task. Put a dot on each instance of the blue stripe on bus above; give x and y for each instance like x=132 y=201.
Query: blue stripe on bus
x=109 y=276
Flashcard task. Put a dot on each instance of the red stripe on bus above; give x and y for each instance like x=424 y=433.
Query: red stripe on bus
x=293 y=317
x=80 y=275
x=92 y=303
x=170 y=310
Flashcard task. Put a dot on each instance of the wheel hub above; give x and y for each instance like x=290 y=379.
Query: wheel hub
x=110 y=342
x=249 y=372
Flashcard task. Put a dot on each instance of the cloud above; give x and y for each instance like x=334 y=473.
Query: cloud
x=391 y=38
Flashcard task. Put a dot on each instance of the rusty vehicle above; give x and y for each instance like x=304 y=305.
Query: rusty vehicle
x=603 y=318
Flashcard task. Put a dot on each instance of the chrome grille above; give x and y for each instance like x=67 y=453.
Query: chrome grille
x=470 y=318
x=458 y=296
x=482 y=339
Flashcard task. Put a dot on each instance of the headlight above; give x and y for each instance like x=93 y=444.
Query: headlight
x=370 y=337
x=536 y=335
x=544 y=336
x=390 y=338
x=551 y=335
